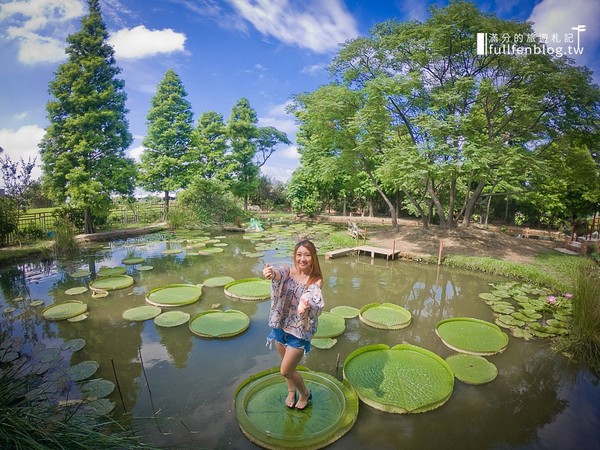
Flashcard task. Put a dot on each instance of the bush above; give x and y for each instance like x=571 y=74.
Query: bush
x=64 y=238
x=211 y=203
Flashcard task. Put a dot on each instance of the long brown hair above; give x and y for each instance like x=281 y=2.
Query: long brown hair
x=315 y=269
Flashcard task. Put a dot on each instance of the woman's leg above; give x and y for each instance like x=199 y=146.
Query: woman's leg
x=290 y=358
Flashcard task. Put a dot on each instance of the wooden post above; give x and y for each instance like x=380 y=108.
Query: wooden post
x=365 y=237
x=440 y=252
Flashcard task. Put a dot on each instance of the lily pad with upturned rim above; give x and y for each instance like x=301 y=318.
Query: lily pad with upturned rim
x=218 y=281
x=76 y=290
x=82 y=273
x=347 y=312
x=472 y=369
x=171 y=319
x=111 y=271
x=64 y=311
x=172 y=251
x=174 y=295
x=215 y=323
x=248 y=289
x=472 y=336
x=133 y=260
x=402 y=379
x=144 y=268
x=323 y=343
x=265 y=421
x=141 y=313
x=112 y=283
x=385 y=316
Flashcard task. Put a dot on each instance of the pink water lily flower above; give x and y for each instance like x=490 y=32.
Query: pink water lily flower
x=551 y=299
x=569 y=296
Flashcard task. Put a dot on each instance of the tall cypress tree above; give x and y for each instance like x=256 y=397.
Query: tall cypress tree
x=165 y=161
x=83 y=151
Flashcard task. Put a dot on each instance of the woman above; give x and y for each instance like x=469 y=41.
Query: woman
x=296 y=303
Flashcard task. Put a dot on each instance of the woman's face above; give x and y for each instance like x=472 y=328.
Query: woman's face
x=303 y=259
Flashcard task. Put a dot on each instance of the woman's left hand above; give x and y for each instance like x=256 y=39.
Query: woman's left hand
x=302 y=306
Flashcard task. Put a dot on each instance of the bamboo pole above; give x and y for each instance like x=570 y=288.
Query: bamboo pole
x=440 y=252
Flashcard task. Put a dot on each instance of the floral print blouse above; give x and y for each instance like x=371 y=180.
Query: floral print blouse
x=286 y=294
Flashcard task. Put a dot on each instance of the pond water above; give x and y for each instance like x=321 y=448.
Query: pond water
x=178 y=389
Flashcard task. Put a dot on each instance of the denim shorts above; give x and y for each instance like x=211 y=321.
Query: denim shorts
x=287 y=339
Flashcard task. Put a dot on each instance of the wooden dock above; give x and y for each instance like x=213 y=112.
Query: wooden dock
x=374 y=251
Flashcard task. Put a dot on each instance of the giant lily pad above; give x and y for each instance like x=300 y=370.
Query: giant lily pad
x=386 y=316
x=111 y=271
x=215 y=323
x=330 y=325
x=112 y=283
x=63 y=311
x=347 y=312
x=323 y=343
x=76 y=290
x=174 y=295
x=132 y=260
x=171 y=319
x=265 y=421
x=401 y=379
x=141 y=313
x=218 y=281
x=81 y=273
x=472 y=336
x=472 y=369
x=249 y=289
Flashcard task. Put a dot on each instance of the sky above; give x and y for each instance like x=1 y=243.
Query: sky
x=223 y=50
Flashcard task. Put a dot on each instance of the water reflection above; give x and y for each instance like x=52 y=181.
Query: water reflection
x=178 y=388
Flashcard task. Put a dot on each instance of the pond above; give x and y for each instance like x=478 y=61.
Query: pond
x=177 y=389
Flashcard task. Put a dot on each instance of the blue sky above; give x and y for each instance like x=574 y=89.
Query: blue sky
x=223 y=50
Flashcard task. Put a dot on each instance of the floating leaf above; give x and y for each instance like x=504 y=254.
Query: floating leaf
x=112 y=283
x=330 y=325
x=99 y=293
x=386 y=316
x=174 y=295
x=263 y=419
x=210 y=251
x=101 y=406
x=37 y=303
x=81 y=273
x=9 y=309
x=144 y=268
x=111 y=271
x=171 y=319
x=76 y=290
x=141 y=313
x=132 y=260
x=249 y=289
x=323 y=343
x=472 y=369
x=78 y=318
x=63 y=311
x=215 y=323
x=172 y=251
x=97 y=388
x=82 y=370
x=218 y=281
x=401 y=379
x=347 y=312
x=473 y=336
x=73 y=345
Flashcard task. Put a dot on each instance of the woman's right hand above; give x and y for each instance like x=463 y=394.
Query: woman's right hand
x=268 y=272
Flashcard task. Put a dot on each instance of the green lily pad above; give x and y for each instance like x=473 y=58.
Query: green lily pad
x=255 y=255
x=76 y=290
x=347 y=312
x=172 y=251
x=265 y=421
x=9 y=309
x=73 y=345
x=385 y=316
x=488 y=296
x=83 y=370
x=210 y=251
x=402 y=379
x=63 y=311
x=78 y=318
x=97 y=388
x=174 y=295
x=215 y=323
x=472 y=369
x=218 y=281
x=81 y=273
x=132 y=260
x=99 y=293
x=472 y=336
x=141 y=313
x=111 y=271
x=37 y=303
x=249 y=289
x=112 y=282
x=172 y=319
x=101 y=406
x=144 y=268
x=323 y=343
x=330 y=325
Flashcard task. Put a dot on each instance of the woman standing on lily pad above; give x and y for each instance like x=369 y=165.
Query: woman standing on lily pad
x=296 y=303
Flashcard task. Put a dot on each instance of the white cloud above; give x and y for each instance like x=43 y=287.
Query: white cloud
x=315 y=68
x=39 y=27
x=278 y=117
x=558 y=16
x=290 y=152
x=415 y=10
x=278 y=173
x=318 y=25
x=140 y=42
x=136 y=153
x=23 y=143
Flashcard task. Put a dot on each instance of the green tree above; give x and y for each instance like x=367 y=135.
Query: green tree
x=210 y=147
x=458 y=121
x=83 y=150
x=166 y=160
x=16 y=178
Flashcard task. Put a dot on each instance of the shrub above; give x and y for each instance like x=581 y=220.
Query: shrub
x=64 y=238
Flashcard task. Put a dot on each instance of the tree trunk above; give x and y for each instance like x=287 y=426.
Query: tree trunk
x=344 y=208
x=438 y=206
x=424 y=217
x=393 y=213
x=452 y=219
x=88 y=224
x=471 y=204
x=166 y=212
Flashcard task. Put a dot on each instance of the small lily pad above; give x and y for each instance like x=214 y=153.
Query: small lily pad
x=83 y=370
x=97 y=388
x=323 y=343
x=249 y=289
x=111 y=271
x=218 y=281
x=385 y=316
x=73 y=345
x=210 y=251
x=9 y=309
x=347 y=312
x=81 y=273
x=101 y=406
x=132 y=260
x=37 y=303
x=174 y=295
x=144 y=268
x=330 y=325
x=472 y=369
x=99 y=293
x=172 y=251
x=76 y=290
x=141 y=313
x=78 y=318
x=172 y=319
x=112 y=283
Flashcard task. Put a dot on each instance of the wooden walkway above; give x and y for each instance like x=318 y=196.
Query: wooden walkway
x=374 y=251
